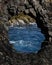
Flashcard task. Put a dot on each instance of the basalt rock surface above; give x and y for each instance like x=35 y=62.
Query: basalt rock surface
x=37 y=9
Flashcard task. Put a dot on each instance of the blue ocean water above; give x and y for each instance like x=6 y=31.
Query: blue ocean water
x=26 y=39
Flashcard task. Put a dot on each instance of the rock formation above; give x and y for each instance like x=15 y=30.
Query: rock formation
x=21 y=19
x=37 y=9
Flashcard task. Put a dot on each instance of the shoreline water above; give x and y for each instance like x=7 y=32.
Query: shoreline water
x=26 y=38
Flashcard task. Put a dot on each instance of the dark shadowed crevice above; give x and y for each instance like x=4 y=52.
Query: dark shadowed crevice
x=44 y=29
x=40 y=23
x=42 y=26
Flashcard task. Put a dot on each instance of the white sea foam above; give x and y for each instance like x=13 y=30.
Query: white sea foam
x=12 y=42
x=21 y=43
x=32 y=23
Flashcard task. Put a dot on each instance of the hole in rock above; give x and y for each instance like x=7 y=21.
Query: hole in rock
x=27 y=38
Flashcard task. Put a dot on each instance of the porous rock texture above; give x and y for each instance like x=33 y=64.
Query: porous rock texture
x=38 y=9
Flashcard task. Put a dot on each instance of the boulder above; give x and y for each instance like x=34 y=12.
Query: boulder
x=32 y=12
x=26 y=11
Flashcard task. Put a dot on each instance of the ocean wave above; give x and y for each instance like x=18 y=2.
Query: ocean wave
x=21 y=42
x=25 y=46
x=26 y=38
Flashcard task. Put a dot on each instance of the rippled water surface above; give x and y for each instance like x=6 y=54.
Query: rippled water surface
x=26 y=39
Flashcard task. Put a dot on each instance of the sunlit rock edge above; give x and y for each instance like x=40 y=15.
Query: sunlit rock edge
x=21 y=19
